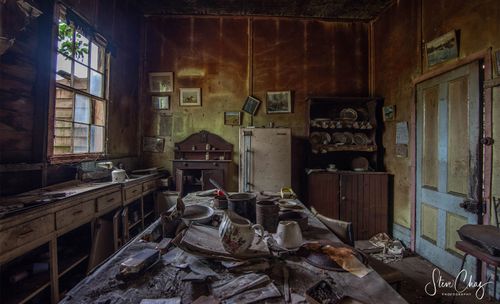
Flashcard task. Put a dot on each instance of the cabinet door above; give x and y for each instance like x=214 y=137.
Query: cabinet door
x=364 y=202
x=216 y=174
x=324 y=193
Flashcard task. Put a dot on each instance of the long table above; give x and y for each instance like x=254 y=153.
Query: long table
x=165 y=280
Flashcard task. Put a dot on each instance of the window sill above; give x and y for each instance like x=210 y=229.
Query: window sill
x=74 y=158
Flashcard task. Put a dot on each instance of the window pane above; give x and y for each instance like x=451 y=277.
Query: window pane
x=64 y=104
x=97 y=58
x=80 y=81
x=96 y=84
x=99 y=113
x=81 y=48
x=63 y=70
x=63 y=136
x=82 y=109
x=80 y=138
x=96 y=139
x=65 y=39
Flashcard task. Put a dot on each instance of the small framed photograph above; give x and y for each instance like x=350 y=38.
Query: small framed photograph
x=161 y=102
x=232 y=118
x=153 y=144
x=162 y=82
x=279 y=102
x=389 y=112
x=190 y=96
x=251 y=105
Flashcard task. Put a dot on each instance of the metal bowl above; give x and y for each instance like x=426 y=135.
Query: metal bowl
x=199 y=214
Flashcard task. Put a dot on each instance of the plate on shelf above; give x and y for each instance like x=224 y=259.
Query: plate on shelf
x=339 y=138
x=360 y=164
x=349 y=114
x=315 y=138
x=325 y=138
x=349 y=138
x=361 y=139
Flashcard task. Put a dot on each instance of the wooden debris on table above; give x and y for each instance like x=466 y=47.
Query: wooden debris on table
x=161 y=301
x=137 y=263
x=239 y=285
x=254 y=295
x=163 y=245
x=206 y=300
x=252 y=265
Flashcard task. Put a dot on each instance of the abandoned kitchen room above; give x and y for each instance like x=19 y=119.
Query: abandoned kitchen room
x=278 y=151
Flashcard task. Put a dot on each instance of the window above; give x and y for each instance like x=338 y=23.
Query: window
x=79 y=115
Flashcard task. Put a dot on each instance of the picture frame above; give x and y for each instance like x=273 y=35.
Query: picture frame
x=251 y=105
x=278 y=102
x=190 y=97
x=153 y=144
x=232 y=118
x=442 y=48
x=161 y=82
x=389 y=112
x=161 y=102
x=497 y=62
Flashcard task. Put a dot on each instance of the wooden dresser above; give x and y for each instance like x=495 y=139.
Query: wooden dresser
x=198 y=158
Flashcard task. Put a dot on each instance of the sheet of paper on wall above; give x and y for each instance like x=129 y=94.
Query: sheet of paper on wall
x=402 y=136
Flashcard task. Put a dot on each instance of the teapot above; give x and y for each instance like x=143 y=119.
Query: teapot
x=237 y=233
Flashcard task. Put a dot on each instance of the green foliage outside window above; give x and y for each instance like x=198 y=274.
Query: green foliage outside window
x=67 y=45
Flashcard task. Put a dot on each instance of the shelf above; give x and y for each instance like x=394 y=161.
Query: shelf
x=354 y=148
x=71 y=263
x=134 y=224
x=149 y=213
x=34 y=285
x=203 y=151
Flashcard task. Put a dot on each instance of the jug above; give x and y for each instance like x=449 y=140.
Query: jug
x=237 y=233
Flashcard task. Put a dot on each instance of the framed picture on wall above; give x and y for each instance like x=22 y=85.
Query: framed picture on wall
x=279 y=102
x=190 y=96
x=251 y=104
x=232 y=118
x=389 y=112
x=153 y=144
x=161 y=82
x=161 y=102
x=442 y=48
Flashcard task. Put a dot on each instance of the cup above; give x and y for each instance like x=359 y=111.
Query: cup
x=267 y=214
x=289 y=235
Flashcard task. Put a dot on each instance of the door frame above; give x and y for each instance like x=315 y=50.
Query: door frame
x=485 y=58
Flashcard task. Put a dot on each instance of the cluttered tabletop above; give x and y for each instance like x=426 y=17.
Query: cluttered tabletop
x=200 y=252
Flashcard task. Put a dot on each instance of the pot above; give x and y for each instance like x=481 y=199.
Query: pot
x=243 y=204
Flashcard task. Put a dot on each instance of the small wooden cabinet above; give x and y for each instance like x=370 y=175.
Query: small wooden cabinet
x=198 y=158
x=357 y=197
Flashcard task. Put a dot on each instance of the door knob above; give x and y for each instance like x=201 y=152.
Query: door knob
x=343 y=198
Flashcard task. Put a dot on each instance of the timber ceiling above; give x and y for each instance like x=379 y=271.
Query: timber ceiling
x=362 y=10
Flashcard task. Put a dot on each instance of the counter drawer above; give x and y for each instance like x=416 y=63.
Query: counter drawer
x=147 y=186
x=133 y=192
x=109 y=201
x=73 y=214
x=26 y=232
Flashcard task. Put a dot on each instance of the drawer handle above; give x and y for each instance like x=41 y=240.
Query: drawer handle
x=185 y=164
x=77 y=212
x=25 y=232
x=110 y=200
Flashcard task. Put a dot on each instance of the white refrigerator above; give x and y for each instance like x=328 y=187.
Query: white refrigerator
x=265 y=159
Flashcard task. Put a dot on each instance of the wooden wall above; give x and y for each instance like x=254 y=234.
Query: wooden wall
x=24 y=86
x=397 y=57
x=230 y=58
